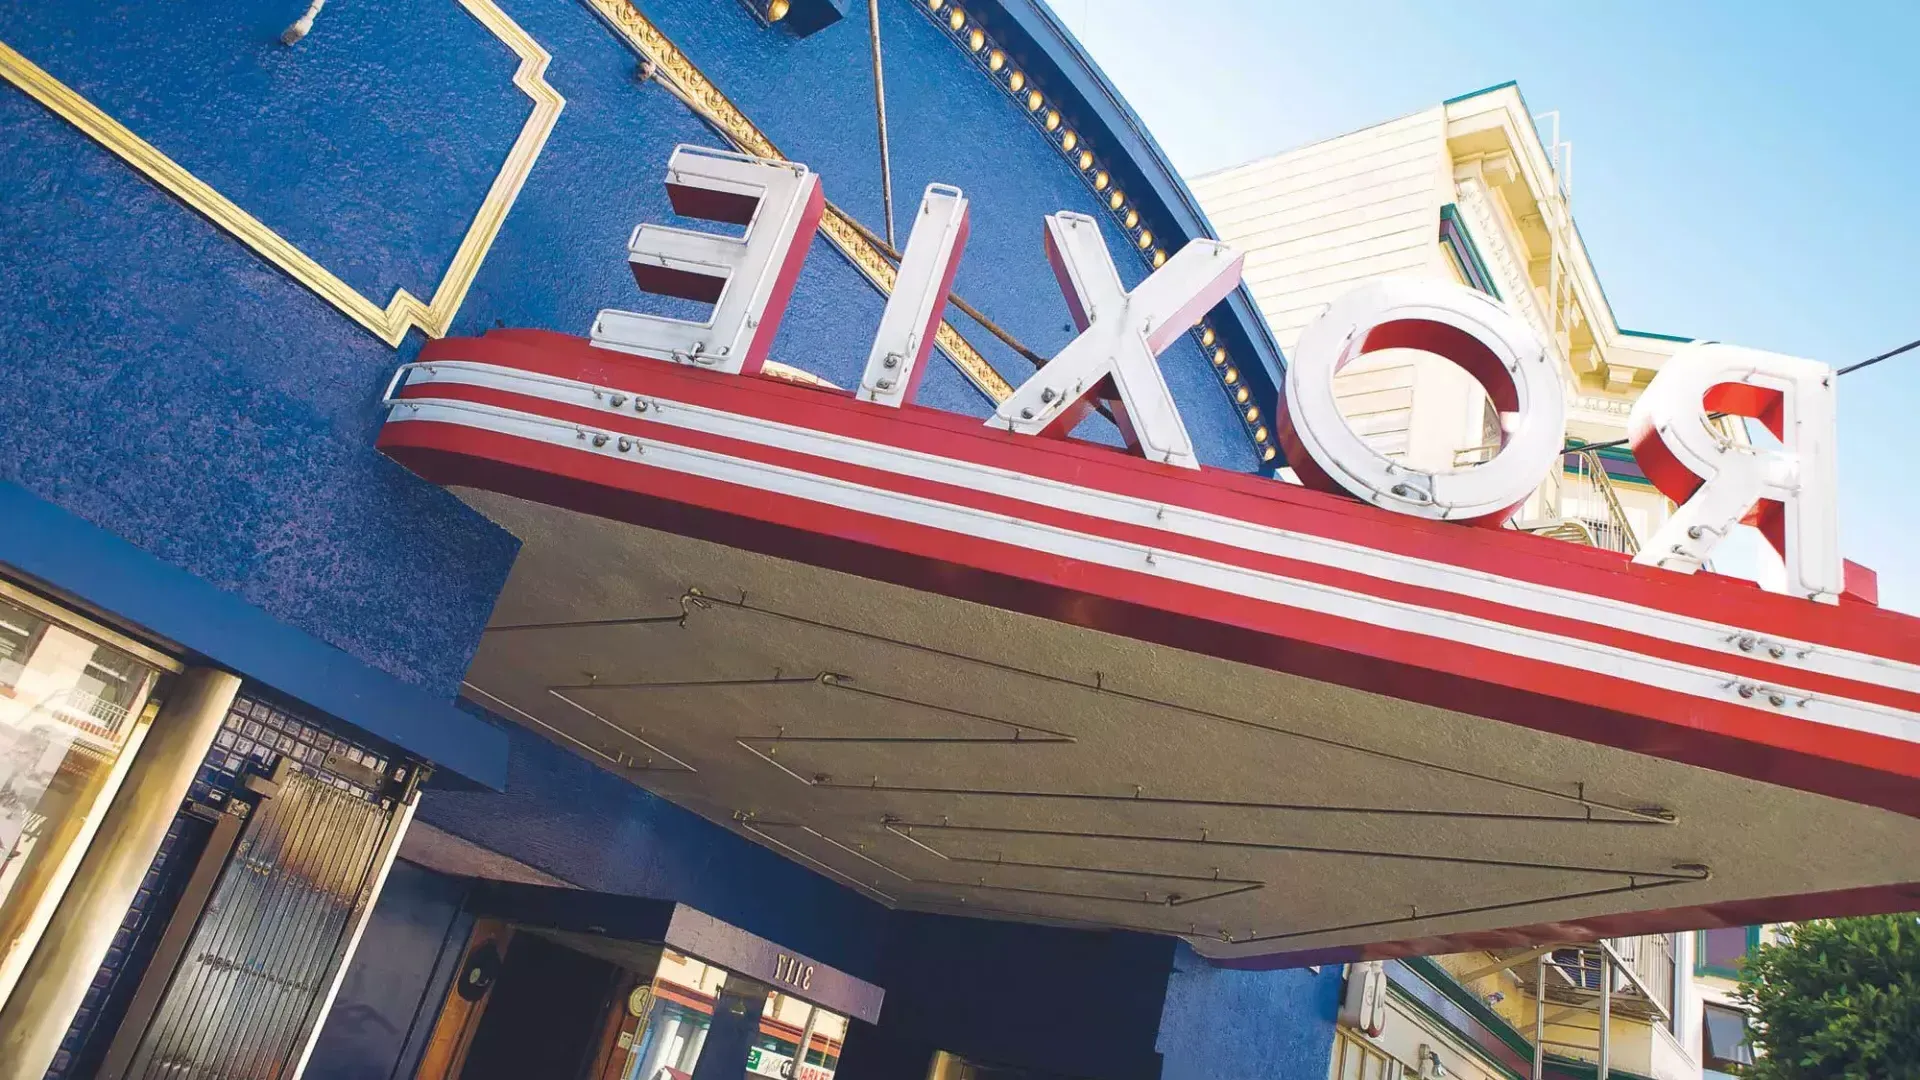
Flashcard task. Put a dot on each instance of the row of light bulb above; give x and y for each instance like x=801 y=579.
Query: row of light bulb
x=1016 y=82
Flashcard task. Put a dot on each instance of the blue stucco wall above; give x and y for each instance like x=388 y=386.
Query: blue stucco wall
x=161 y=381
x=1223 y=1024
x=165 y=383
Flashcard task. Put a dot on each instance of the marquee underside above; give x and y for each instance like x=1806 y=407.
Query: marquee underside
x=964 y=671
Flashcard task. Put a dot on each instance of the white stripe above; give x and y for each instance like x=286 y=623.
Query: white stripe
x=1570 y=604
x=1172 y=566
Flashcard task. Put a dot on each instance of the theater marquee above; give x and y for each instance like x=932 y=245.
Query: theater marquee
x=1374 y=581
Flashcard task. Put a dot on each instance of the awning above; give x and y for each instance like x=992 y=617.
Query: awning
x=964 y=670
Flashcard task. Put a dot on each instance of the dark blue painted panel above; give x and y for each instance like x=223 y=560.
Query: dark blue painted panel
x=564 y=816
x=1060 y=1002
x=1221 y=1023
x=96 y=567
x=390 y=998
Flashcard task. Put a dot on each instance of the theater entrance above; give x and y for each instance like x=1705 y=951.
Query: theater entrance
x=567 y=985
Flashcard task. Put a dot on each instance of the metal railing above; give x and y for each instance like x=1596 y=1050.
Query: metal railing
x=1591 y=482
x=1647 y=962
x=1582 y=506
x=1642 y=970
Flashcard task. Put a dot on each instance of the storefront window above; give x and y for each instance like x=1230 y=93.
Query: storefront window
x=788 y=1021
x=685 y=994
x=70 y=719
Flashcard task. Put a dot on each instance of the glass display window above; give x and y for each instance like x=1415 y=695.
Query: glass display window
x=685 y=994
x=74 y=700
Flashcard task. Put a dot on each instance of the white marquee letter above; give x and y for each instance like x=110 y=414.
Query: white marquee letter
x=1451 y=321
x=1121 y=334
x=1789 y=493
x=899 y=357
x=748 y=279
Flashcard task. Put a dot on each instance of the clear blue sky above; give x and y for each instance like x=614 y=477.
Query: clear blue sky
x=1748 y=172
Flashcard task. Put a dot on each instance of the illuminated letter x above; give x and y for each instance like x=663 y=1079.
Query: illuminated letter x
x=1121 y=334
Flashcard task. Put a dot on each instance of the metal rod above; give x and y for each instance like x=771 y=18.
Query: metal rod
x=955 y=299
x=1652 y=816
x=880 y=115
x=173 y=945
x=1606 y=1010
x=1540 y=1022
x=1872 y=360
x=813 y=1014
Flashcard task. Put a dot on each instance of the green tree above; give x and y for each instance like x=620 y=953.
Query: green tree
x=1837 y=999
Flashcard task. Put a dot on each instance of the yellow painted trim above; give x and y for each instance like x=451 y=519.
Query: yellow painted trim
x=703 y=95
x=405 y=311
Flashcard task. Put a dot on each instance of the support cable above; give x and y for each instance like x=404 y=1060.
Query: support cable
x=1850 y=368
x=880 y=116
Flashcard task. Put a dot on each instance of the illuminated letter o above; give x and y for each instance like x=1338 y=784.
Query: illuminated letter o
x=1471 y=329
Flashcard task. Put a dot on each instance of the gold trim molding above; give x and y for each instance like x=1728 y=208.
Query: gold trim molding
x=404 y=311
x=703 y=96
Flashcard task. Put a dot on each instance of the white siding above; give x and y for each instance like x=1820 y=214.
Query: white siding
x=1315 y=221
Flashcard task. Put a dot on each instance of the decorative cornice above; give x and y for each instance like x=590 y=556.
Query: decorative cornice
x=701 y=94
x=404 y=311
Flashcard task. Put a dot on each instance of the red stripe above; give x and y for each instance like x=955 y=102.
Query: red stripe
x=1749 y=666
x=1839 y=903
x=1236 y=496
x=1777 y=749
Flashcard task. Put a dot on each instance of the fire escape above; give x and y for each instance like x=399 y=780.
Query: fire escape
x=1577 y=990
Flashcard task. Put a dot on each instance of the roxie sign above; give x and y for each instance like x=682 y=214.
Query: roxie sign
x=1788 y=491
x=1391 y=594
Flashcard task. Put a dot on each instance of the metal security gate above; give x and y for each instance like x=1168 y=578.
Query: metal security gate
x=261 y=964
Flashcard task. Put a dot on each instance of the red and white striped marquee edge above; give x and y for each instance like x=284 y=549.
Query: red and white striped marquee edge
x=1371 y=575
